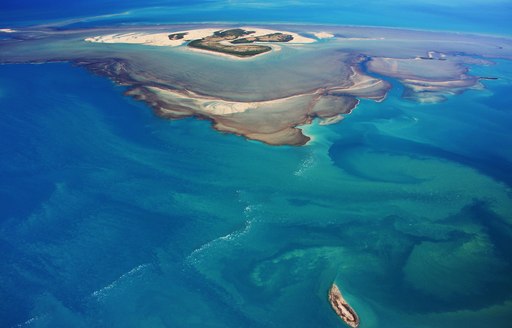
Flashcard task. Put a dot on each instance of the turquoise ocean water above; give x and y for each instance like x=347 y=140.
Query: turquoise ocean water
x=112 y=217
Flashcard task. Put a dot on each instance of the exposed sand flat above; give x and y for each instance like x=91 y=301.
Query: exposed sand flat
x=159 y=39
x=152 y=39
x=417 y=68
x=323 y=35
x=213 y=106
x=7 y=30
x=436 y=91
x=461 y=83
x=364 y=86
x=426 y=80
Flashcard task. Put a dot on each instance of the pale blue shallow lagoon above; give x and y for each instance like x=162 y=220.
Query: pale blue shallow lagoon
x=113 y=217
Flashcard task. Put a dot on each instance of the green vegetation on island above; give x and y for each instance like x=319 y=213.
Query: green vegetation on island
x=274 y=37
x=238 y=45
x=177 y=36
x=232 y=34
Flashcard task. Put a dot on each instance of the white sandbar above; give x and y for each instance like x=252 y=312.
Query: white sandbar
x=162 y=39
x=323 y=35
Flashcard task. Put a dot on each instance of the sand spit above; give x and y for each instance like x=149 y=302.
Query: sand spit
x=323 y=35
x=342 y=308
x=214 y=106
x=364 y=86
x=152 y=39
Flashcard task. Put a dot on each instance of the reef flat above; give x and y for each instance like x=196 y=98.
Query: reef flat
x=273 y=81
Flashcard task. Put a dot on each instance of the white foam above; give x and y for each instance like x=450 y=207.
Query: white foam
x=305 y=165
x=101 y=293
x=249 y=213
x=30 y=321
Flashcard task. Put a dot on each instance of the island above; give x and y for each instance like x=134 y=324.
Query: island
x=237 y=45
x=342 y=308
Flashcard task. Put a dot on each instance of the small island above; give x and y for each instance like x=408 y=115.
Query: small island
x=341 y=307
x=234 y=42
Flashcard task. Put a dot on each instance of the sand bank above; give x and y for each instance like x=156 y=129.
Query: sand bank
x=152 y=39
x=426 y=81
x=323 y=35
x=215 y=106
x=364 y=86
x=162 y=39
